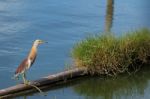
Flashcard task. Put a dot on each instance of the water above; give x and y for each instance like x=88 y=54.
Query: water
x=63 y=23
x=122 y=87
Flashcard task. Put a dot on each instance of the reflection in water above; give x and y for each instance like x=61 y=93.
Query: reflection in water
x=122 y=87
x=25 y=97
x=109 y=15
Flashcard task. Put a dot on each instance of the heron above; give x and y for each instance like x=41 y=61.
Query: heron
x=28 y=61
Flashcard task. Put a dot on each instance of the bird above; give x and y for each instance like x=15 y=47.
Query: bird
x=28 y=61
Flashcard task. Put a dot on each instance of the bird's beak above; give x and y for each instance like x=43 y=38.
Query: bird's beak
x=43 y=42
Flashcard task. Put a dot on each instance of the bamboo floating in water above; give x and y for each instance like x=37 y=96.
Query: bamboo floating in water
x=51 y=79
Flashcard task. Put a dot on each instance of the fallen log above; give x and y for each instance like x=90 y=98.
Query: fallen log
x=42 y=83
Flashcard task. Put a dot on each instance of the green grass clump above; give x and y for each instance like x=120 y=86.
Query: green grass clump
x=111 y=55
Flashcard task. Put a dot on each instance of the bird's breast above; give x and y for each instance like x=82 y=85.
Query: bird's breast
x=29 y=63
x=32 y=53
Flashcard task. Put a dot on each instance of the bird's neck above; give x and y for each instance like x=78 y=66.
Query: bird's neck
x=32 y=52
x=35 y=45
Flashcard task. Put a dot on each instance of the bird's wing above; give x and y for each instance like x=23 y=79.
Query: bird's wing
x=23 y=66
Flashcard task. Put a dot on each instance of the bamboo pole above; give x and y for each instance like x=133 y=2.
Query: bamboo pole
x=45 y=81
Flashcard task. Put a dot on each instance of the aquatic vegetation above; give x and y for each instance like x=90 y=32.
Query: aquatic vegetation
x=110 y=55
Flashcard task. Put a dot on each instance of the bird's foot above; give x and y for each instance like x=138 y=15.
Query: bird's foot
x=36 y=83
x=26 y=82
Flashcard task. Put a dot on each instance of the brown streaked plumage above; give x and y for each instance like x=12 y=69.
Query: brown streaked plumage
x=22 y=67
x=28 y=61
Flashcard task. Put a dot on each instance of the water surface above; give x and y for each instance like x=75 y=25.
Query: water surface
x=63 y=23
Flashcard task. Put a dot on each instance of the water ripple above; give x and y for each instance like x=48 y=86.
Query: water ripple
x=8 y=69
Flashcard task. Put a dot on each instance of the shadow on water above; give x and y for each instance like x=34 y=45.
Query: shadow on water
x=109 y=88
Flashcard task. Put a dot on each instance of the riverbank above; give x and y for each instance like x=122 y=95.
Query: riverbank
x=111 y=55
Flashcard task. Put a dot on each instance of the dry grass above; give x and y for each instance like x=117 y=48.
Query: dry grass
x=111 y=55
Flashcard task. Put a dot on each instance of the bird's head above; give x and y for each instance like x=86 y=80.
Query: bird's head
x=38 y=42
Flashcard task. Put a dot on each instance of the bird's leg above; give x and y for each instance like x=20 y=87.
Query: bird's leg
x=25 y=80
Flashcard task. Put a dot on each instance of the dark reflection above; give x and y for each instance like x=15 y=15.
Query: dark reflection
x=25 y=97
x=123 y=86
x=109 y=15
x=48 y=88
